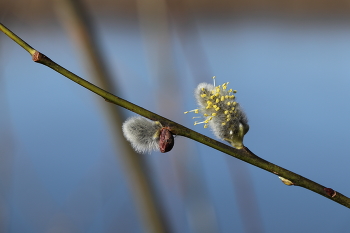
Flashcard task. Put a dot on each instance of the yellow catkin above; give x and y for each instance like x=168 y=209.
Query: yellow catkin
x=219 y=102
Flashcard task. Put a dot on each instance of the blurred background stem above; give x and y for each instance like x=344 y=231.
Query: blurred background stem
x=80 y=27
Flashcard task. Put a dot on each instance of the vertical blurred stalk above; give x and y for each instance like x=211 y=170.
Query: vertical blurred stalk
x=245 y=195
x=185 y=28
x=7 y=154
x=199 y=66
x=154 y=23
x=77 y=22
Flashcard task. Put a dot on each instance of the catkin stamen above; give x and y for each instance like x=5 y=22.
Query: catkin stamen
x=194 y=110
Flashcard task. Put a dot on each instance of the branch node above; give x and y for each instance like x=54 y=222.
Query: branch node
x=107 y=100
x=39 y=57
x=286 y=181
x=36 y=56
x=330 y=192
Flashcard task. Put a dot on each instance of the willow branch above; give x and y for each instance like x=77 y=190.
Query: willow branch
x=243 y=154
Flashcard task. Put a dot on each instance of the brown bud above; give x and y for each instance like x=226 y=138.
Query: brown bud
x=330 y=192
x=166 y=140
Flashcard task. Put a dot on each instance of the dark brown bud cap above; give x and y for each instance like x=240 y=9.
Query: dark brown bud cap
x=166 y=140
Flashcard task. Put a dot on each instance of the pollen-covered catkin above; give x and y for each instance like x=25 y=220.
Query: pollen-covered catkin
x=221 y=113
x=143 y=134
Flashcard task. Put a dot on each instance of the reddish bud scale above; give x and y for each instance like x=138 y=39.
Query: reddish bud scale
x=166 y=140
x=330 y=192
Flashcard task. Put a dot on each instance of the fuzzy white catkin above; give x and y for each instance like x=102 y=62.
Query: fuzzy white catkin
x=143 y=134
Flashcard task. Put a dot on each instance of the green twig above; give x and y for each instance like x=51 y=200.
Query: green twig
x=243 y=154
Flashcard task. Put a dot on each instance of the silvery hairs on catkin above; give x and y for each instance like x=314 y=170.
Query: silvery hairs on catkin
x=143 y=134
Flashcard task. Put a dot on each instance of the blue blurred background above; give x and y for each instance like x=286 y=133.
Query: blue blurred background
x=60 y=171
